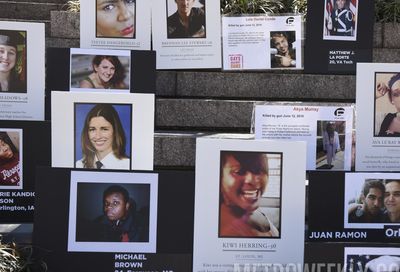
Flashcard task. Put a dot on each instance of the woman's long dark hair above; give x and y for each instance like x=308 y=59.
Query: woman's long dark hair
x=119 y=75
x=108 y=112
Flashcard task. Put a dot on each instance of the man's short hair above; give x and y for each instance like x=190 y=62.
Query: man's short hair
x=391 y=180
x=116 y=189
x=373 y=183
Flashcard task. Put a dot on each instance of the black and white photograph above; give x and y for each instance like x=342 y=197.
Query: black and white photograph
x=372 y=259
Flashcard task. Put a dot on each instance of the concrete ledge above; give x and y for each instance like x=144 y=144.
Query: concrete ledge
x=61 y=42
x=391 y=35
x=384 y=55
x=265 y=85
x=64 y=24
x=378 y=35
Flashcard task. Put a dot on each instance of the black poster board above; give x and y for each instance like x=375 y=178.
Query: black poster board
x=330 y=206
x=17 y=205
x=142 y=70
x=331 y=51
x=174 y=227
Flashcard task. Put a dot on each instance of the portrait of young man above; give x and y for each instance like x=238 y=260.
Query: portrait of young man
x=340 y=19
x=244 y=178
x=119 y=214
x=186 y=19
x=283 y=55
x=103 y=136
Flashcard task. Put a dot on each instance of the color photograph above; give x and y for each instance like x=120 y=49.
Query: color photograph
x=103 y=136
x=13 y=56
x=372 y=259
x=186 y=19
x=115 y=19
x=99 y=72
x=283 y=51
x=250 y=202
x=340 y=20
x=11 y=159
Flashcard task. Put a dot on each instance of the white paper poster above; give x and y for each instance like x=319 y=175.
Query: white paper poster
x=378 y=121
x=100 y=199
x=122 y=24
x=102 y=130
x=327 y=131
x=262 y=42
x=22 y=71
x=186 y=34
x=249 y=205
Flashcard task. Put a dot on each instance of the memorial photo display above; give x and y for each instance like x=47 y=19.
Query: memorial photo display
x=115 y=221
x=378 y=130
x=339 y=35
x=22 y=71
x=262 y=42
x=121 y=24
x=102 y=130
x=250 y=186
x=360 y=207
x=183 y=34
x=24 y=145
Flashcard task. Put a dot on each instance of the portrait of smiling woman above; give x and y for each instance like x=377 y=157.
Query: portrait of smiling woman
x=115 y=18
x=107 y=73
x=12 y=61
x=103 y=141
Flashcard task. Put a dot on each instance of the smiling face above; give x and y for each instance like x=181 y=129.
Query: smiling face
x=116 y=18
x=105 y=70
x=5 y=151
x=8 y=58
x=184 y=7
x=281 y=43
x=101 y=135
x=115 y=206
x=392 y=197
x=241 y=187
x=373 y=201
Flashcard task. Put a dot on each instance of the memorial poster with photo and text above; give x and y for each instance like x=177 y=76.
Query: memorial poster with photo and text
x=22 y=71
x=122 y=24
x=326 y=129
x=377 y=122
x=251 y=188
x=262 y=42
x=339 y=35
x=186 y=34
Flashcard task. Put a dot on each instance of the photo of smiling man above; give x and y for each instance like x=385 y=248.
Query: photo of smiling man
x=283 y=54
x=246 y=209
x=115 y=18
x=102 y=136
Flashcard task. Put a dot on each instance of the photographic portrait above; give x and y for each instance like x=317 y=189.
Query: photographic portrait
x=11 y=158
x=95 y=70
x=103 y=136
x=340 y=20
x=13 y=56
x=112 y=212
x=371 y=200
x=186 y=19
x=331 y=142
x=116 y=19
x=372 y=259
x=250 y=194
x=387 y=104
x=282 y=49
